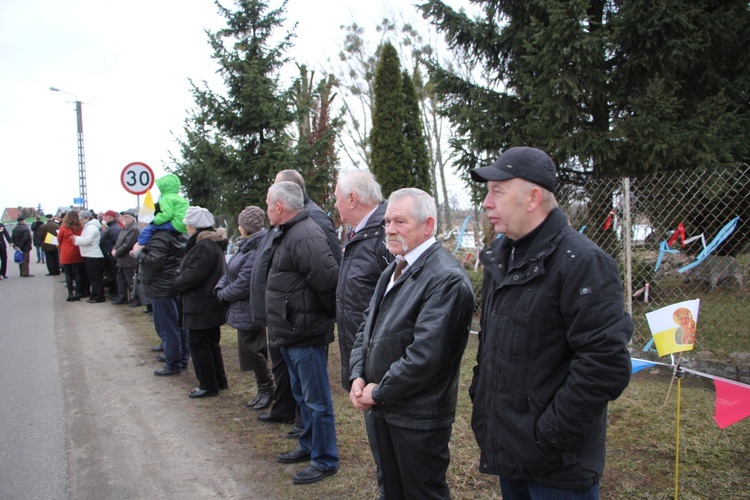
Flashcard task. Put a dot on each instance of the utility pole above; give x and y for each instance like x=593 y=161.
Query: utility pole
x=83 y=193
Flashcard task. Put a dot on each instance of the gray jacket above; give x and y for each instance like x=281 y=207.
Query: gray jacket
x=125 y=242
x=234 y=287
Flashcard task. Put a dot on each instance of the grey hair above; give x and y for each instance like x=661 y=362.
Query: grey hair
x=424 y=205
x=290 y=175
x=363 y=184
x=289 y=194
x=549 y=202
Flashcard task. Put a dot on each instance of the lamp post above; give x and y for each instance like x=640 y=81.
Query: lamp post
x=81 y=157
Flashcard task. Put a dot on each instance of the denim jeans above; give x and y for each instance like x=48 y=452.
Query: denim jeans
x=516 y=489
x=174 y=338
x=308 y=374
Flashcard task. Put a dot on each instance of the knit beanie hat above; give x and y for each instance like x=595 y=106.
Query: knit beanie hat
x=198 y=217
x=251 y=219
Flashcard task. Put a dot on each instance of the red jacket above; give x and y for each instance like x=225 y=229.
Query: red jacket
x=69 y=253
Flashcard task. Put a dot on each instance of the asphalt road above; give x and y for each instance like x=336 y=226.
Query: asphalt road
x=83 y=417
x=33 y=458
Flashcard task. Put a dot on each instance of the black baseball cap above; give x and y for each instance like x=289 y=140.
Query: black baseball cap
x=531 y=164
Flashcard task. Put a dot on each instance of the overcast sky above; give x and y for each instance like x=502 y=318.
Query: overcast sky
x=129 y=63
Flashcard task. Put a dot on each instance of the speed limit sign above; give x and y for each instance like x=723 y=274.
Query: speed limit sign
x=137 y=177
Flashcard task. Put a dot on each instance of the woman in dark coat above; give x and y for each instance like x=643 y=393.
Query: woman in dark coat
x=234 y=289
x=202 y=312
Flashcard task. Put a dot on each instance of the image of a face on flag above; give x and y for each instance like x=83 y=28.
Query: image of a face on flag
x=674 y=327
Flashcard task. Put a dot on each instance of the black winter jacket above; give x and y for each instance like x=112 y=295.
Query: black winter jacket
x=158 y=263
x=109 y=238
x=413 y=339
x=301 y=285
x=326 y=224
x=552 y=354
x=234 y=287
x=204 y=264
x=21 y=237
x=364 y=260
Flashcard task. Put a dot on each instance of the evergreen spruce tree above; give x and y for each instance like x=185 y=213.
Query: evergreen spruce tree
x=608 y=88
x=241 y=138
x=388 y=157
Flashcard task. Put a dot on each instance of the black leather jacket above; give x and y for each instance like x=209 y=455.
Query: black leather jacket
x=552 y=354
x=365 y=258
x=413 y=339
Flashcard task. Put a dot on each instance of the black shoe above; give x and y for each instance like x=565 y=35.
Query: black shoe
x=200 y=393
x=70 y=299
x=271 y=419
x=119 y=302
x=95 y=301
x=265 y=400
x=161 y=358
x=163 y=372
x=295 y=433
x=224 y=387
x=312 y=474
x=158 y=348
x=253 y=401
x=134 y=304
x=27 y=275
x=295 y=456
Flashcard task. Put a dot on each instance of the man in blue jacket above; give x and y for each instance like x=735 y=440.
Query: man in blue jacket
x=553 y=341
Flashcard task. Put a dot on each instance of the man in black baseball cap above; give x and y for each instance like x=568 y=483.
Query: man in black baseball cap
x=554 y=333
x=531 y=164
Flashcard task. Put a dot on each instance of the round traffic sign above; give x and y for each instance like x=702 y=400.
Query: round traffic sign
x=137 y=177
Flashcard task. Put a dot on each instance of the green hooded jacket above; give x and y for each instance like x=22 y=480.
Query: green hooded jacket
x=172 y=206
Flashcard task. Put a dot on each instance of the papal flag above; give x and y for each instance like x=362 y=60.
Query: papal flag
x=674 y=327
x=148 y=209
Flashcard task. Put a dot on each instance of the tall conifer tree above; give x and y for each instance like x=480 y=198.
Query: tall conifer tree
x=388 y=160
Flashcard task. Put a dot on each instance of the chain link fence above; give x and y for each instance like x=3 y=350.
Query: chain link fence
x=677 y=236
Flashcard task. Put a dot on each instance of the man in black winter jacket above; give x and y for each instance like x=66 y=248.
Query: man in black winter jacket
x=406 y=359
x=300 y=309
x=359 y=201
x=553 y=341
x=21 y=237
x=158 y=263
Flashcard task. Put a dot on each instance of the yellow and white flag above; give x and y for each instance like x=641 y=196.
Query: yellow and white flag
x=148 y=209
x=674 y=327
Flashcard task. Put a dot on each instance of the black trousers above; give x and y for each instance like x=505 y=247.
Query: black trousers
x=73 y=276
x=53 y=262
x=285 y=406
x=110 y=275
x=414 y=462
x=95 y=273
x=207 y=359
x=3 y=261
x=125 y=282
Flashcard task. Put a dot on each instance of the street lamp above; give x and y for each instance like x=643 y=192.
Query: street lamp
x=81 y=157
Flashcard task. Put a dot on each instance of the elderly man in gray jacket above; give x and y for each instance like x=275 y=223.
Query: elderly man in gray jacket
x=126 y=263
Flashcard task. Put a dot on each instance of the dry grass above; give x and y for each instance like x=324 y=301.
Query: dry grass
x=640 y=455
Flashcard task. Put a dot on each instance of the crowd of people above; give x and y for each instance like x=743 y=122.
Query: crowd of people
x=552 y=343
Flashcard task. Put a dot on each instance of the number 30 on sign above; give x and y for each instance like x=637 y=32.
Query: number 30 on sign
x=137 y=177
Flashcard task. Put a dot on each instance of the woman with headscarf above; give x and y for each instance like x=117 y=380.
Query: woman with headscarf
x=234 y=289
x=70 y=255
x=202 y=312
